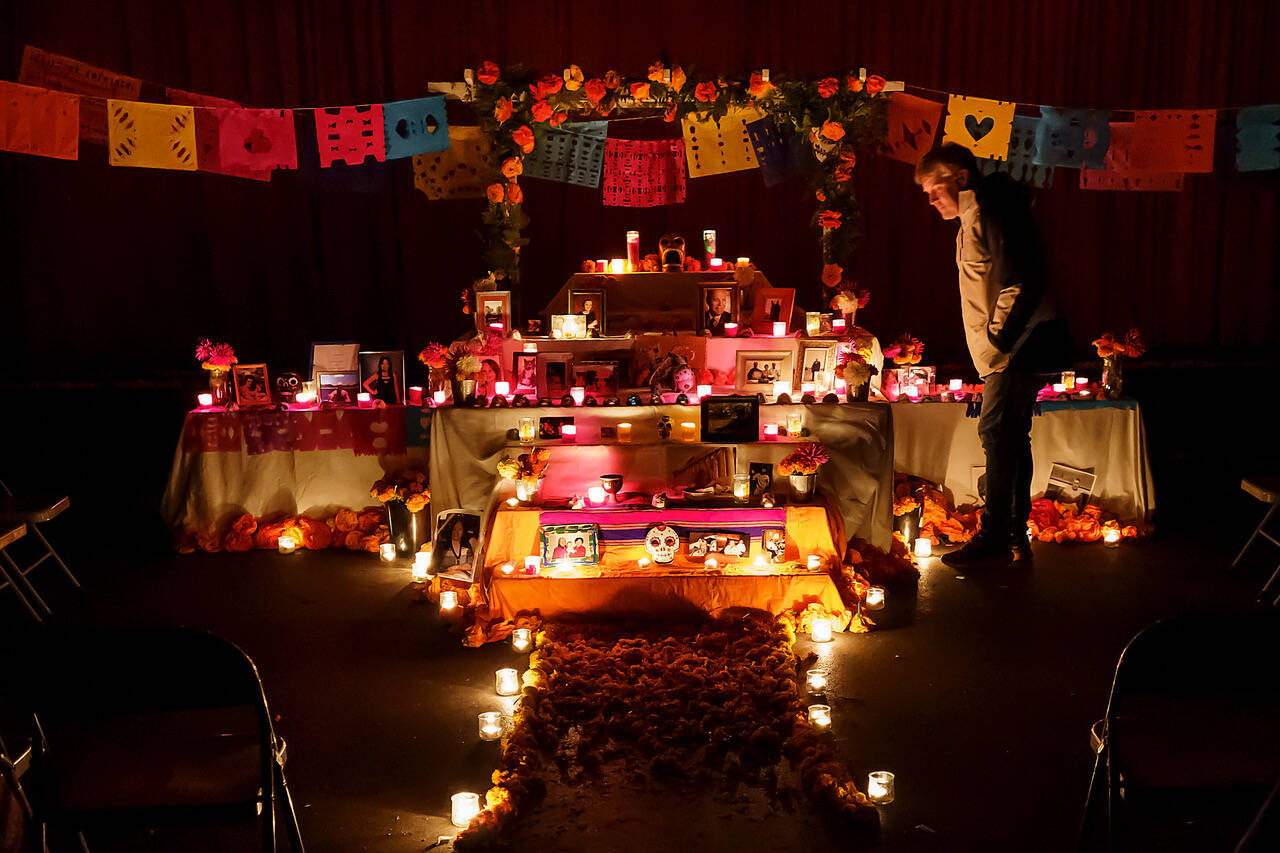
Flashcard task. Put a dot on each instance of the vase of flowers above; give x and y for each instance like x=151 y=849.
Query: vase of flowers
x=527 y=471
x=459 y=363
x=907 y=352
x=217 y=359
x=801 y=467
x=857 y=371
x=408 y=503
x=1113 y=351
x=848 y=297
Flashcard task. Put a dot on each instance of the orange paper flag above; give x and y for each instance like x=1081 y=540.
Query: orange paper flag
x=37 y=121
x=152 y=136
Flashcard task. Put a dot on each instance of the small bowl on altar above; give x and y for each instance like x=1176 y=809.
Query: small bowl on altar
x=612 y=484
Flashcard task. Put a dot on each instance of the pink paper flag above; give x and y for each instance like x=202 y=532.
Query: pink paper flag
x=644 y=173
x=64 y=74
x=913 y=124
x=207 y=134
x=260 y=140
x=350 y=135
x=1173 y=140
x=37 y=121
x=1119 y=173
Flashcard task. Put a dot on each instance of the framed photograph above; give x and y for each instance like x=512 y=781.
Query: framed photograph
x=727 y=544
x=340 y=389
x=570 y=544
x=457 y=538
x=1069 y=485
x=490 y=372
x=815 y=360
x=774 y=542
x=555 y=374
x=731 y=419
x=761 y=474
x=533 y=326
x=493 y=307
x=599 y=378
x=252 y=390
x=334 y=357
x=382 y=375
x=719 y=305
x=589 y=304
x=524 y=373
x=757 y=371
x=773 y=305
x=570 y=327
x=552 y=428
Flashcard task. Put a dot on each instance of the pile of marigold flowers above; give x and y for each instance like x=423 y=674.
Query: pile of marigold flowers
x=362 y=530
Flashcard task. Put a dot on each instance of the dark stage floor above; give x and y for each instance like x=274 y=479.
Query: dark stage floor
x=977 y=692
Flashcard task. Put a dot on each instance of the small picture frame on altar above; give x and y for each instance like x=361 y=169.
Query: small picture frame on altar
x=570 y=544
x=533 y=326
x=731 y=419
x=727 y=544
x=815 y=360
x=457 y=539
x=589 y=304
x=252 y=390
x=382 y=375
x=773 y=305
x=552 y=428
x=761 y=474
x=339 y=389
x=598 y=378
x=555 y=374
x=333 y=357
x=756 y=372
x=493 y=311
x=568 y=327
x=774 y=542
x=1069 y=485
x=524 y=373
x=719 y=305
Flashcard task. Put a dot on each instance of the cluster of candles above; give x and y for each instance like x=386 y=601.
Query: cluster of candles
x=631 y=263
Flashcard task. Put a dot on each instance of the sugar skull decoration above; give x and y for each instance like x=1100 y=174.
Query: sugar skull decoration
x=671 y=253
x=673 y=373
x=662 y=542
x=287 y=386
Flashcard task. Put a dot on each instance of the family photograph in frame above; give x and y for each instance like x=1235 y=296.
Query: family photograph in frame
x=252 y=390
x=757 y=371
x=719 y=305
x=493 y=307
x=815 y=361
x=569 y=327
x=382 y=375
x=589 y=304
x=598 y=378
x=333 y=357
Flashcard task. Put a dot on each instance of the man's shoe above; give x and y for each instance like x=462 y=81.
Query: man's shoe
x=1020 y=547
x=980 y=551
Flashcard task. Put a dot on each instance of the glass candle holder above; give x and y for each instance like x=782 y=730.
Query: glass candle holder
x=1059 y=388
x=501 y=389
x=816 y=680
x=522 y=639
x=633 y=251
x=715 y=264
x=820 y=716
x=287 y=544
x=569 y=433
x=365 y=400
x=204 y=400
x=387 y=551
x=1111 y=537
x=771 y=432
x=743 y=262
x=528 y=429
x=1069 y=378
x=690 y=430
x=421 y=565
x=875 y=598
x=704 y=391
x=624 y=432
x=812 y=323
x=490 y=725
x=838 y=325
x=507 y=682
x=821 y=630
x=602 y=265
x=709 y=242
x=531 y=565
x=618 y=266
x=596 y=495
x=795 y=423
x=730 y=330
x=305 y=398
x=923 y=547
x=741 y=488
x=448 y=600
x=880 y=787
x=955 y=385
x=779 y=330
x=808 y=387
x=465 y=806
x=439 y=397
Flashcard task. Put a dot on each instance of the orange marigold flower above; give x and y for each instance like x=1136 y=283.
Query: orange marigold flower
x=495 y=193
x=875 y=84
x=596 y=90
x=655 y=72
x=573 y=78
x=503 y=110
x=833 y=130
x=832 y=274
x=706 y=91
x=758 y=87
x=829 y=219
x=588 y=266
x=640 y=91
x=512 y=167
x=523 y=137
x=828 y=86
x=515 y=195
x=488 y=73
x=541 y=111
x=844 y=172
x=848 y=155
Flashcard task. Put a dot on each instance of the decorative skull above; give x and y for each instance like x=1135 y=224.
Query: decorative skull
x=661 y=543
x=822 y=147
x=287 y=386
x=671 y=253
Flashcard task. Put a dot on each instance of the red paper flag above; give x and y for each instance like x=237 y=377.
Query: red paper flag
x=41 y=68
x=37 y=121
x=644 y=174
x=1119 y=173
x=257 y=139
x=350 y=134
x=207 y=146
x=1173 y=140
x=913 y=124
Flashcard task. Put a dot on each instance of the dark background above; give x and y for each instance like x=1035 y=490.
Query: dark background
x=112 y=274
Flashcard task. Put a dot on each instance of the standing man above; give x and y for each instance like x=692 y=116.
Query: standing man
x=1016 y=339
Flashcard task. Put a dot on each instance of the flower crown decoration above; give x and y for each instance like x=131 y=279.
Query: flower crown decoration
x=806 y=459
x=407 y=486
x=1131 y=346
x=215 y=356
x=906 y=350
x=529 y=467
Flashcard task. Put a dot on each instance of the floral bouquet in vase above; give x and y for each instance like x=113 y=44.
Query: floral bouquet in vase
x=802 y=468
x=909 y=378
x=217 y=359
x=526 y=471
x=1112 y=351
x=856 y=368
x=407 y=498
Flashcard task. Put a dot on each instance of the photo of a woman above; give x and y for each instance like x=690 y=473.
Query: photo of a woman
x=456 y=542
x=384 y=385
x=589 y=305
x=490 y=373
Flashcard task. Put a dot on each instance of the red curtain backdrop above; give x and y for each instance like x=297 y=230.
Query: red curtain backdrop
x=122 y=269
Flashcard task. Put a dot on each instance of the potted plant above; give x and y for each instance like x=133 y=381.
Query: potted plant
x=802 y=469
x=527 y=471
x=408 y=502
x=217 y=359
x=1112 y=352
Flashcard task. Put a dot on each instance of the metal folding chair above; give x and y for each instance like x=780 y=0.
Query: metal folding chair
x=16 y=580
x=32 y=511
x=1266 y=490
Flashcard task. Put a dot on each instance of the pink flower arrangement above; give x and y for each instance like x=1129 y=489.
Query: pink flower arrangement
x=806 y=459
x=906 y=350
x=215 y=356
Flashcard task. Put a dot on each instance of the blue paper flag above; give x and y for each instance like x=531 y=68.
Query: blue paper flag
x=1258 y=138
x=1020 y=162
x=779 y=157
x=1073 y=139
x=417 y=126
x=570 y=154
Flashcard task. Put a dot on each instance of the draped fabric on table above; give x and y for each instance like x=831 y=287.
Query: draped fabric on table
x=937 y=442
x=466 y=445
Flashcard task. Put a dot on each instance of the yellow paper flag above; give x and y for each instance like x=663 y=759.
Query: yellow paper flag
x=713 y=149
x=461 y=171
x=151 y=136
x=981 y=125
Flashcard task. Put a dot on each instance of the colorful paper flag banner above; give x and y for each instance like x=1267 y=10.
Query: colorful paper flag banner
x=772 y=152
x=715 y=147
x=1020 y=161
x=1173 y=140
x=1258 y=138
x=64 y=74
x=1073 y=139
x=1120 y=174
x=571 y=154
x=912 y=127
x=459 y=172
x=350 y=135
x=979 y=124
x=207 y=142
x=37 y=121
x=416 y=126
x=257 y=140
x=151 y=136
x=644 y=173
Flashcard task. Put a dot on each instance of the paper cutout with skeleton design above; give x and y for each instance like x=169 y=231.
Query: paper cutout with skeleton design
x=350 y=135
x=151 y=136
x=979 y=124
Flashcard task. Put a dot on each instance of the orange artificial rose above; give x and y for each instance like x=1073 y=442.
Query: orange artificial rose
x=829 y=219
x=573 y=78
x=515 y=195
x=832 y=274
x=547 y=86
x=655 y=72
x=488 y=73
x=612 y=79
x=512 y=168
x=759 y=87
x=833 y=130
x=706 y=91
x=502 y=110
x=596 y=90
x=640 y=91
x=678 y=78
x=828 y=86
x=541 y=111
x=855 y=84
x=495 y=193
x=558 y=119
x=875 y=84
x=523 y=137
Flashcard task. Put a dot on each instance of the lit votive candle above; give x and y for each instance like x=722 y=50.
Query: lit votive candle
x=513 y=501
x=624 y=432
x=204 y=400
x=711 y=563
x=923 y=547
x=502 y=389
x=821 y=630
x=415 y=395
x=507 y=682
x=305 y=398
x=439 y=397
x=531 y=565
x=955 y=385
x=530 y=346
x=596 y=495
x=365 y=399
x=490 y=725
x=618 y=265
x=814 y=562
x=465 y=806
x=690 y=430
x=838 y=325
x=643 y=562
x=1059 y=388
x=1111 y=537
x=771 y=431
x=704 y=391
x=602 y=266
x=716 y=264
x=522 y=639
x=287 y=544
x=812 y=322
x=387 y=551
x=816 y=680
x=875 y=598
x=448 y=600
x=779 y=330
x=912 y=392
x=808 y=387
x=1081 y=381
x=880 y=787
x=741 y=488
x=578 y=394
x=569 y=432
x=730 y=330
x=743 y=262
x=820 y=716
x=421 y=565
x=795 y=423
x=507 y=568
x=527 y=430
